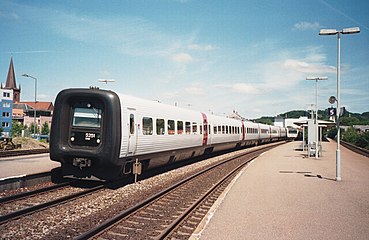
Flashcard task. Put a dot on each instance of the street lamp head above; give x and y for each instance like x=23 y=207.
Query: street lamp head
x=328 y=32
x=351 y=30
x=317 y=78
x=29 y=76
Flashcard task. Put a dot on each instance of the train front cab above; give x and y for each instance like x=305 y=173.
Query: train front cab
x=86 y=133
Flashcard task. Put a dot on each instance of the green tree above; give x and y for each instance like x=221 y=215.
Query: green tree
x=17 y=128
x=32 y=128
x=350 y=135
x=45 y=130
x=349 y=121
x=265 y=120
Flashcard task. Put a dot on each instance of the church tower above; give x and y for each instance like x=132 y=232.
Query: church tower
x=11 y=83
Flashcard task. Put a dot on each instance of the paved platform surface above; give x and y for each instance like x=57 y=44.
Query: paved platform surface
x=285 y=195
x=25 y=165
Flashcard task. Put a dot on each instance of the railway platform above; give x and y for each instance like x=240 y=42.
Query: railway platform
x=11 y=167
x=285 y=195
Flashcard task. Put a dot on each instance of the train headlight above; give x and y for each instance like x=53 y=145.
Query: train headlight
x=98 y=140
x=72 y=139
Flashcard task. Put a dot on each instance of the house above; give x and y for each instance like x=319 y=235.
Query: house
x=6 y=106
x=26 y=112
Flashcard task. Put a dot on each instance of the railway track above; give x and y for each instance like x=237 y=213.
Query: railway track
x=12 y=153
x=16 y=206
x=359 y=150
x=176 y=211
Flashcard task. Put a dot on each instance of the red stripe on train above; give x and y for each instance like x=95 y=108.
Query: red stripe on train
x=205 y=129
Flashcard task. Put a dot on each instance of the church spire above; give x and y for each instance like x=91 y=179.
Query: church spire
x=11 y=83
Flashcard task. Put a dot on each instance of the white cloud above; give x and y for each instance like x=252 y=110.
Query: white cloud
x=201 y=47
x=306 y=26
x=182 y=58
x=307 y=67
x=245 y=88
x=195 y=90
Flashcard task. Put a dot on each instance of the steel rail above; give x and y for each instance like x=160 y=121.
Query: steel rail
x=178 y=221
x=26 y=211
x=354 y=148
x=33 y=192
x=110 y=222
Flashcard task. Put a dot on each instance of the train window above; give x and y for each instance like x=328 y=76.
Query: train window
x=87 y=117
x=194 y=127
x=200 y=129
x=227 y=130
x=232 y=129
x=188 y=127
x=220 y=129
x=171 y=128
x=223 y=129
x=132 y=123
x=160 y=126
x=208 y=128
x=179 y=127
x=147 y=127
x=215 y=130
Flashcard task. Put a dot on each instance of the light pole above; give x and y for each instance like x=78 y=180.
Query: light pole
x=34 y=110
x=316 y=113
x=352 y=30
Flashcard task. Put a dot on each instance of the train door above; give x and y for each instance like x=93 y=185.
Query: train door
x=132 y=135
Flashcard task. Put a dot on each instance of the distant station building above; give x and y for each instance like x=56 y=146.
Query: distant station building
x=23 y=112
x=289 y=123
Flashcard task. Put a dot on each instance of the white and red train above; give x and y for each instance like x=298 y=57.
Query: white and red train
x=99 y=133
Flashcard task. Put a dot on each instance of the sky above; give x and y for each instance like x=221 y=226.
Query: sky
x=212 y=56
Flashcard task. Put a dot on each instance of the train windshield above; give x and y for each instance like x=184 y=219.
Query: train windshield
x=292 y=130
x=87 y=117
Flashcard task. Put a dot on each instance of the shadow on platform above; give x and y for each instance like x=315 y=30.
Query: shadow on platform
x=308 y=174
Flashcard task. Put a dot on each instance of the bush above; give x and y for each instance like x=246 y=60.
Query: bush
x=350 y=135
x=363 y=140
x=356 y=138
x=332 y=133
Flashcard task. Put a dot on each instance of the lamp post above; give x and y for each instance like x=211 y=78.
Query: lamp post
x=34 y=110
x=323 y=32
x=316 y=113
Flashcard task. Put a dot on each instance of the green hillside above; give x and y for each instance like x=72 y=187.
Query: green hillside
x=347 y=119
